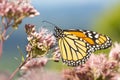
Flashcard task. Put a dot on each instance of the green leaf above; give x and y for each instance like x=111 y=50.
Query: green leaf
x=21 y=54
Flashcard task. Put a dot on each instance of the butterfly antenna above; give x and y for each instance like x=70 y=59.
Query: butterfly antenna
x=50 y=23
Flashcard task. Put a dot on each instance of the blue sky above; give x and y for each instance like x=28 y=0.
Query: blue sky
x=59 y=2
x=71 y=13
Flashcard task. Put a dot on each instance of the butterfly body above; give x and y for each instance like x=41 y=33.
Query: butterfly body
x=76 y=46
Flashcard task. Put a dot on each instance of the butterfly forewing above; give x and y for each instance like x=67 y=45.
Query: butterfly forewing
x=74 y=50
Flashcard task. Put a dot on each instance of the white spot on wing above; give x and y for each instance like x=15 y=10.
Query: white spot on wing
x=97 y=35
x=90 y=35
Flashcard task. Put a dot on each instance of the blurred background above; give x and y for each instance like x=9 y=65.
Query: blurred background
x=102 y=16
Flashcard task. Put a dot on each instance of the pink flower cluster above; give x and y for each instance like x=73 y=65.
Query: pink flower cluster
x=40 y=42
x=40 y=74
x=35 y=62
x=98 y=67
x=11 y=8
x=14 y=11
x=115 y=52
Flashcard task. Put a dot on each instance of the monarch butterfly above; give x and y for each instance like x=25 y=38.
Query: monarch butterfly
x=76 y=46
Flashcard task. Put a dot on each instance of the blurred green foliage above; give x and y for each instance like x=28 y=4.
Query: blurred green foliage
x=109 y=23
x=56 y=66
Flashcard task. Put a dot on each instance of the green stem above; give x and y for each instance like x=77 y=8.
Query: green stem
x=17 y=69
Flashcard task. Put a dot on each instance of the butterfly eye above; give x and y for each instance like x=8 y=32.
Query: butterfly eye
x=55 y=28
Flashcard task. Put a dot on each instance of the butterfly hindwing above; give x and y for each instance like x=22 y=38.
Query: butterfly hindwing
x=100 y=41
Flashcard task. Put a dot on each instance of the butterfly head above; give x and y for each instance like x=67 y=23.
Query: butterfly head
x=58 y=32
